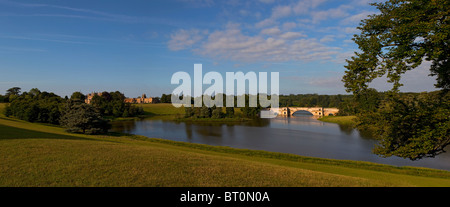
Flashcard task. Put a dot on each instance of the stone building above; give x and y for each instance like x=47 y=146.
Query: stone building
x=142 y=99
x=90 y=96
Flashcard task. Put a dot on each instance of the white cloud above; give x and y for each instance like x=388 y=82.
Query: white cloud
x=271 y=31
x=281 y=11
x=289 y=25
x=355 y=19
x=350 y=30
x=199 y=3
x=305 y=6
x=415 y=80
x=327 y=38
x=292 y=35
x=338 y=12
x=265 y=23
x=267 y=1
x=232 y=44
x=183 y=39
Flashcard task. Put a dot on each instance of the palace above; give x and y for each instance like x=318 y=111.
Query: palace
x=90 y=96
x=142 y=99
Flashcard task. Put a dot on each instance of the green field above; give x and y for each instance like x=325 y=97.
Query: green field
x=41 y=155
x=341 y=120
x=161 y=109
x=167 y=109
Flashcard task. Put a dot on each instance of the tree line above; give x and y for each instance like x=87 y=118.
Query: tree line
x=218 y=112
x=72 y=113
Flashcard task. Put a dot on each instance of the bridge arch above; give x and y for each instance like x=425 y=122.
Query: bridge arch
x=315 y=111
x=302 y=113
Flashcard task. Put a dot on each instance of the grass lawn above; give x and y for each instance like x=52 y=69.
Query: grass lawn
x=41 y=155
x=341 y=120
x=168 y=109
x=161 y=109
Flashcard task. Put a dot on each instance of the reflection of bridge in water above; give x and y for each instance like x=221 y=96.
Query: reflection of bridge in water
x=315 y=111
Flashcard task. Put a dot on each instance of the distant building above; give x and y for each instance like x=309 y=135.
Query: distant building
x=90 y=96
x=142 y=99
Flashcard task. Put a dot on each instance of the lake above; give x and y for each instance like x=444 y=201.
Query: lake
x=301 y=135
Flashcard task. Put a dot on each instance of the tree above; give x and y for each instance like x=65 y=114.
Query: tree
x=229 y=112
x=166 y=98
x=405 y=33
x=410 y=126
x=13 y=91
x=205 y=112
x=367 y=100
x=77 y=96
x=35 y=106
x=83 y=118
x=189 y=112
x=34 y=92
x=399 y=39
x=217 y=112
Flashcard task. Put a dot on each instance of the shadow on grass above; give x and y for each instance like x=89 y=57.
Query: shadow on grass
x=8 y=132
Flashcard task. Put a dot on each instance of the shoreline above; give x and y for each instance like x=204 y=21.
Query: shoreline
x=118 y=147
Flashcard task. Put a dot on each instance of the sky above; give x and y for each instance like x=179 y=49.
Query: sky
x=135 y=46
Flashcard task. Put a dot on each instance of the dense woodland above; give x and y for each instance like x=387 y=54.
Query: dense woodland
x=72 y=113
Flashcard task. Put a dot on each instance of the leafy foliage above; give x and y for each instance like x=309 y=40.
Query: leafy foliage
x=112 y=104
x=312 y=100
x=83 y=118
x=35 y=106
x=166 y=98
x=411 y=126
x=399 y=39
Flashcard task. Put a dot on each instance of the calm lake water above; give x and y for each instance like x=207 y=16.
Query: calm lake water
x=301 y=135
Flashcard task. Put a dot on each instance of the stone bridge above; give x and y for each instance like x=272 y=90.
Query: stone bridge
x=315 y=111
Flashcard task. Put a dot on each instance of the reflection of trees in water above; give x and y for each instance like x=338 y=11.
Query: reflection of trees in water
x=123 y=126
x=367 y=134
x=188 y=129
x=215 y=128
x=204 y=130
x=346 y=129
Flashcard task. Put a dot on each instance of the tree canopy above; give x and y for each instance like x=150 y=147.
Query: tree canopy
x=83 y=118
x=400 y=38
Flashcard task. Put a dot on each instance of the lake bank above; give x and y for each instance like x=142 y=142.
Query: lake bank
x=341 y=120
x=130 y=160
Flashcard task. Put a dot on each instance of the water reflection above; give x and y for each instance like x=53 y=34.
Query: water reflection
x=299 y=134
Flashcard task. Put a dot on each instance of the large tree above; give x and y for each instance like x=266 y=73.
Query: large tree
x=13 y=91
x=398 y=39
x=83 y=118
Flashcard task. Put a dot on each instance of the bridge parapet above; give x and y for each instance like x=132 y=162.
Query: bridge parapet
x=315 y=111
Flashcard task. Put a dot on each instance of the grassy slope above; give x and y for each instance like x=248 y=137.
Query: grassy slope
x=168 y=109
x=40 y=155
x=161 y=109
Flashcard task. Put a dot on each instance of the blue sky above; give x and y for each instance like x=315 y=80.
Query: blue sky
x=135 y=46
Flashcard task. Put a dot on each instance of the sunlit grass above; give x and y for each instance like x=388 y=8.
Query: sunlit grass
x=40 y=155
x=341 y=120
x=161 y=109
